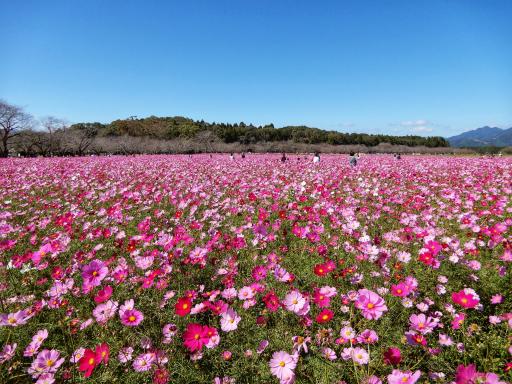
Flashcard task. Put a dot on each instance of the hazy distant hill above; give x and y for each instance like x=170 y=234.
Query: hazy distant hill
x=485 y=136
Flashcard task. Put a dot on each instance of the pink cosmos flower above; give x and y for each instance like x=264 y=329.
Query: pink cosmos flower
x=347 y=333
x=300 y=343
x=360 y=356
x=77 y=355
x=229 y=320
x=262 y=346
x=320 y=299
x=458 y=320
x=368 y=336
x=422 y=323
x=507 y=255
x=329 y=354
x=469 y=375
x=246 y=293
x=47 y=361
x=282 y=365
x=259 y=272
x=14 y=319
x=131 y=317
x=294 y=301
x=400 y=290
x=399 y=377
x=445 y=340
x=7 y=352
x=46 y=378
x=466 y=298
x=125 y=354
x=434 y=247
x=103 y=295
x=372 y=380
x=35 y=344
x=371 y=304
x=392 y=356
x=194 y=337
x=213 y=337
x=144 y=362
x=105 y=311
x=94 y=272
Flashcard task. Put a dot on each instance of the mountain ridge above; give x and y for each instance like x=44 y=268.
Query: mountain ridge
x=483 y=137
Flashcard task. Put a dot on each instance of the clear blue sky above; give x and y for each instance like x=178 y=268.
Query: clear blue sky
x=398 y=67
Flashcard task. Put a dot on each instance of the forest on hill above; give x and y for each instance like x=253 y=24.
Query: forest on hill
x=22 y=135
x=169 y=128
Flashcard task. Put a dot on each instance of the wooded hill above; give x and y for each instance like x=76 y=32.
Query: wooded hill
x=168 y=128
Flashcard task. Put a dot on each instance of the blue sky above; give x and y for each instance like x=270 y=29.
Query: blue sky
x=399 y=67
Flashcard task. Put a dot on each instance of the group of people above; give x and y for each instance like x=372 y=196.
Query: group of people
x=353 y=158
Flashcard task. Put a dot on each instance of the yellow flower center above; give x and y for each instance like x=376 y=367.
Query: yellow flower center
x=282 y=363
x=370 y=306
x=131 y=318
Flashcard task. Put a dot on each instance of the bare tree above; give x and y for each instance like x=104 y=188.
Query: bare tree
x=79 y=138
x=55 y=129
x=25 y=142
x=12 y=120
x=206 y=141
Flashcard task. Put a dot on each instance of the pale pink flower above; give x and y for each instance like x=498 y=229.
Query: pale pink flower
x=282 y=365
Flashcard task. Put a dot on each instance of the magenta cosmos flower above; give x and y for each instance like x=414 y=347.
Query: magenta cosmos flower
x=94 y=272
x=282 y=365
x=195 y=336
x=371 y=304
x=466 y=298
x=132 y=317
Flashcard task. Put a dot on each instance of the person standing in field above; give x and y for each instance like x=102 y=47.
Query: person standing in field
x=283 y=157
x=231 y=156
x=352 y=159
x=316 y=158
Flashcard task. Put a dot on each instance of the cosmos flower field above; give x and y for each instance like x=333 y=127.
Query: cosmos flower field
x=178 y=269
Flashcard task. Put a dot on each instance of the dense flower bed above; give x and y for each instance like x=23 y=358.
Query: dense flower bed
x=203 y=269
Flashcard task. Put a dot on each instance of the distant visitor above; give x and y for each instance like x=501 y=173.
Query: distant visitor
x=352 y=159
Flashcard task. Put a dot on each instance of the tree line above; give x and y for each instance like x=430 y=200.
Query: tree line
x=21 y=134
x=182 y=127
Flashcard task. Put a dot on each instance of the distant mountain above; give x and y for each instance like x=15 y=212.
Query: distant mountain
x=482 y=137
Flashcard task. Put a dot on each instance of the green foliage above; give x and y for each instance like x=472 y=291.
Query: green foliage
x=181 y=127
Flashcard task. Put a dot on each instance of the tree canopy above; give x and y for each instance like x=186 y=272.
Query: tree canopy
x=182 y=127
